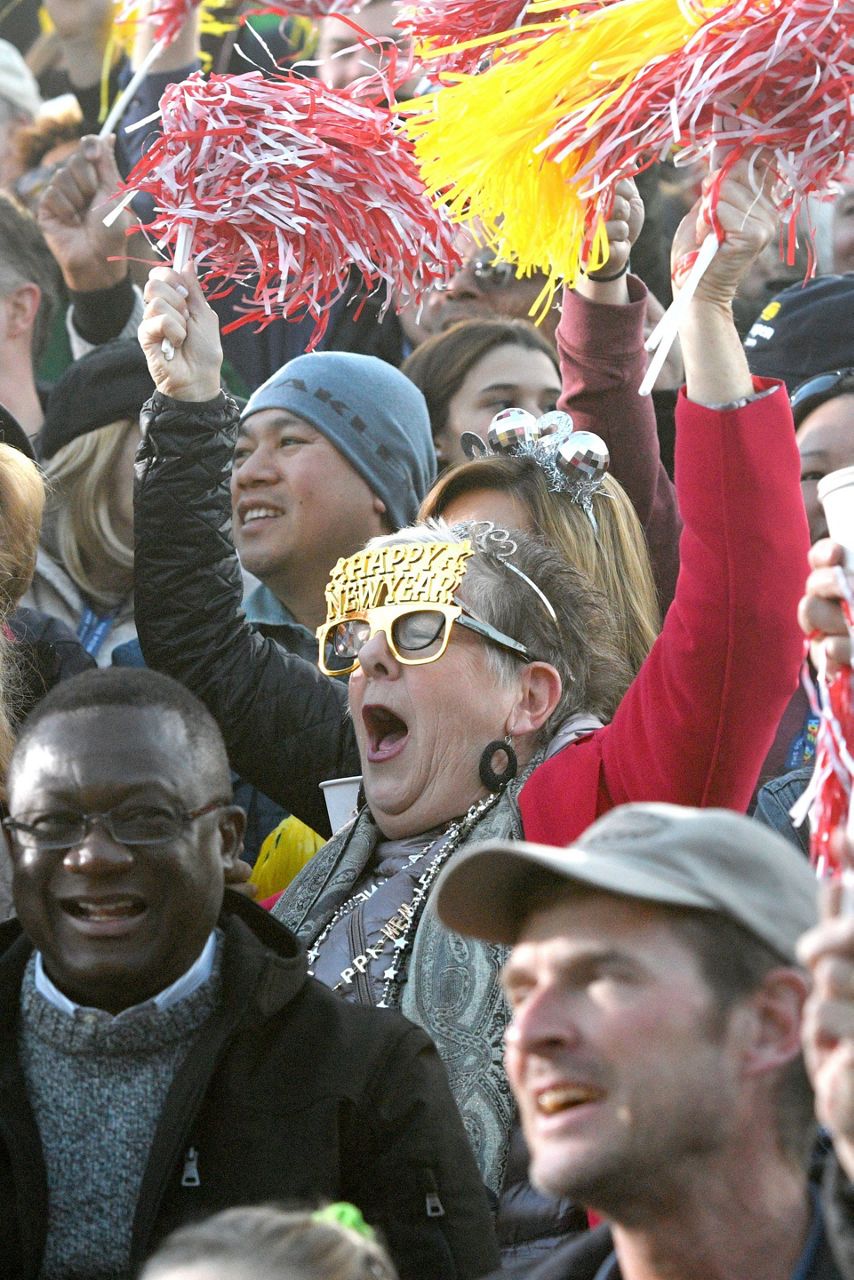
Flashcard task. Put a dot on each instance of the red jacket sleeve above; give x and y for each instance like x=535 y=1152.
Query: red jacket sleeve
x=696 y=723
x=602 y=363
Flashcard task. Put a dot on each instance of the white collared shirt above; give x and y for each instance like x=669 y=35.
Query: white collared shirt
x=199 y=971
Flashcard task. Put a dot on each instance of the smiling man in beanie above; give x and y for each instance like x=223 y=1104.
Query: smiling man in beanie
x=654 y=1049
x=334 y=449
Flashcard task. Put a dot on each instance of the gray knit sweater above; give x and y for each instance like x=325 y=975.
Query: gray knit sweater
x=97 y=1086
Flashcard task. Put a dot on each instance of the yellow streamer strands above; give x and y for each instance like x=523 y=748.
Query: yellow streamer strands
x=476 y=140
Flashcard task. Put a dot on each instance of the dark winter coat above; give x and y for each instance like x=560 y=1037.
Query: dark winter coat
x=287 y=1094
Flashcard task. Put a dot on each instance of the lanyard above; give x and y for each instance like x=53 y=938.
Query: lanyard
x=92 y=629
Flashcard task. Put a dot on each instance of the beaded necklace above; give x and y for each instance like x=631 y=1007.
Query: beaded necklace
x=411 y=911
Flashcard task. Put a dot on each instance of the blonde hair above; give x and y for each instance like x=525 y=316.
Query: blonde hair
x=80 y=531
x=615 y=559
x=267 y=1242
x=22 y=498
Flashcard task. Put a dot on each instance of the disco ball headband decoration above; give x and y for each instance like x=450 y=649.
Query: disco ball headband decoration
x=575 y=462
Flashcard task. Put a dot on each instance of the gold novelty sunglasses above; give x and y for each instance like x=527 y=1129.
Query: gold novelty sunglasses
x=415 y=634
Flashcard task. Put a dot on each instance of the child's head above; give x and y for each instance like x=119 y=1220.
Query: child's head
x=268 y=1243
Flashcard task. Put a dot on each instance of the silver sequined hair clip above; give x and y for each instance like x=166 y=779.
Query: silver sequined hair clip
x=574 y=462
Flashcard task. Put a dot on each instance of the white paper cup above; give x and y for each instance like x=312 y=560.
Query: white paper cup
x=341 y=796
x=836 y=495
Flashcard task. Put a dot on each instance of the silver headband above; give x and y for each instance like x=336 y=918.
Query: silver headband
x=492 y=540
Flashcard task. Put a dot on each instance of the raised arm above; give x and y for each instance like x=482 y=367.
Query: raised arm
x=92 y=257
x=705 y=707
x=696 y=723
x=602 y=361
x=284 y=723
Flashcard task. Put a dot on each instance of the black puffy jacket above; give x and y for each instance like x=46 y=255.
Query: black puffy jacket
x=288 y=1094
x=191 y=625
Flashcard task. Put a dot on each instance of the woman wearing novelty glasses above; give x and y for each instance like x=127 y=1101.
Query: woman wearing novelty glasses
x=484 y=693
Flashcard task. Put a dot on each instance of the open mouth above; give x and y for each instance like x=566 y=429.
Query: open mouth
x=552 y=1101
x=387 y=733
x=253 y=514
x=104 y=910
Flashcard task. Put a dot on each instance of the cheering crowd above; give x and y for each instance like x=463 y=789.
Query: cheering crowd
x=399 y=734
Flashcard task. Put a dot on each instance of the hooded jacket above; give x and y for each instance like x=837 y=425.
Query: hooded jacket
x=287 y=1094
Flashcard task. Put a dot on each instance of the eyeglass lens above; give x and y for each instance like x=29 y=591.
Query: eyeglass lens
x=65 y=830
x=411 y=633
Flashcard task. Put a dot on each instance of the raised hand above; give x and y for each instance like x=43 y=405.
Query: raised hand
x=177 y=310
x=623 y=227
x=820 y=610
x=71 y=214
x=748 y=220
x=716 y=370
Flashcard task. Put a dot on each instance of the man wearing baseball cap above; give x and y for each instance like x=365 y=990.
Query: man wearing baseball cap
x=654 y=1049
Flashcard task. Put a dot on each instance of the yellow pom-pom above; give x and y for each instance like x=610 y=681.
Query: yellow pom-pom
x=482 y=141
x=284 y=852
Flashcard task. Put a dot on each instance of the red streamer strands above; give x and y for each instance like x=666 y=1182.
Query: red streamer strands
x=167 y=17
x=448 y=32
x=285 y=185
x=780 y=74
x=828 y=798
x=834 y=766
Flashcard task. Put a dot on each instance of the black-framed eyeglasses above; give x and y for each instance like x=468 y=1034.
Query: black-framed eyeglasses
x=824 y=386
x=137 y=826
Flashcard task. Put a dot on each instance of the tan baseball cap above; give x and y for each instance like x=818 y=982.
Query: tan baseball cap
x=712 y=859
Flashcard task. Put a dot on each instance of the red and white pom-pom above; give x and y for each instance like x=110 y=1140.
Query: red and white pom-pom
x=828 y=798
x=835 y=768
x=780 y=73
x=286 y=186
x=451 y=35
x=386 y=68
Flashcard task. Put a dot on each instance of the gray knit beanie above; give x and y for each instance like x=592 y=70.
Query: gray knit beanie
x=372 y=414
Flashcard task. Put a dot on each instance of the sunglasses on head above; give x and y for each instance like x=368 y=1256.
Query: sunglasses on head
x=824 y=386
x=415 y=634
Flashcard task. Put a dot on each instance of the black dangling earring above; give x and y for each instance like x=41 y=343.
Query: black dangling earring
x=498 y=781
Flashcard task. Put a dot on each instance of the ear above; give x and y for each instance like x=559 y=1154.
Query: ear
x=21 y=309
x=539 y=694
x=379 y=506
x=772 y=1021
x=231 y=827
x=440 y=445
